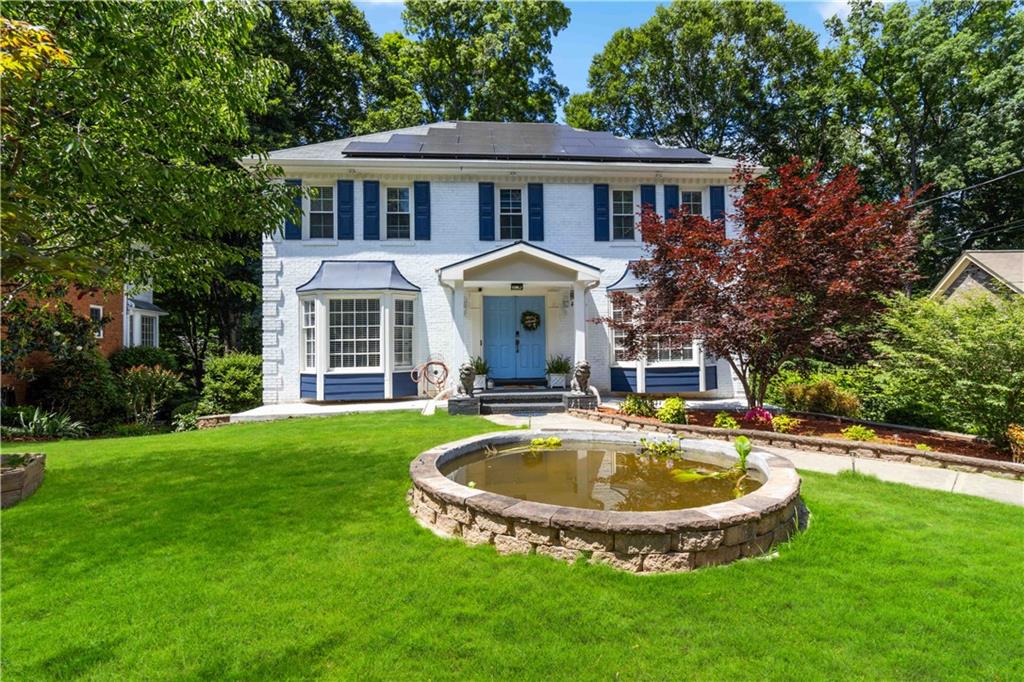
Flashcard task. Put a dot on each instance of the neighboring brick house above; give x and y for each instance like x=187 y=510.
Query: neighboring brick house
x=132 y=321
x=998 y=273
x=461 y=239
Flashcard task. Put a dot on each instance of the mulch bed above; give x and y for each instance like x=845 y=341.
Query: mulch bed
x=830 y=427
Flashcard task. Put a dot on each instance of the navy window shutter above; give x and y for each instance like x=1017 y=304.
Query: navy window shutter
x=346 y=210
x=717 y=202
x=487 y=211
x=371 y=209
x=293 y=230
x=601 y=213
x=421 y=199
x=535 y=199
x=671 y=200
x=647 y=197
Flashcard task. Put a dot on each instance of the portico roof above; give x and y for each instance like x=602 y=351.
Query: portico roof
x=515 y=256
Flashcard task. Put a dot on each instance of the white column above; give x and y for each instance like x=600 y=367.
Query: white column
x=156 y=331
x=641 y=374
x=322 y=346
x=387 y=343
x=579 y=315
x=136 y=329
x=460 y=353
x=700 y=365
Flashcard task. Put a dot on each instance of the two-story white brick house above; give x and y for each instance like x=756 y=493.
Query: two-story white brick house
x=449 y=241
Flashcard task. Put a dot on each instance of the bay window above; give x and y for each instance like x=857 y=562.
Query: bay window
x=309 y=334
x=354 y=333
x=148 y=331
x=403 y=332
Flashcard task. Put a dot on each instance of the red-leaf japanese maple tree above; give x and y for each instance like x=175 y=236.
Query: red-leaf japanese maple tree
x=802 y=278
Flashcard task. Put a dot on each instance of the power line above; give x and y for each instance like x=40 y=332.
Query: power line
x=964 y=189
x=985 y=232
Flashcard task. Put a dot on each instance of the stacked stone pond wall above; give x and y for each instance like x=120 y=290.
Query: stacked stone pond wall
x=19 y=482
x=640 y=542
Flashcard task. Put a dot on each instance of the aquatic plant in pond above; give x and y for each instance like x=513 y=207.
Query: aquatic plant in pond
x=737 y=471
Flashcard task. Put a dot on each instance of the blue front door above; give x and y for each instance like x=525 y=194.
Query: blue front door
x=512 y=351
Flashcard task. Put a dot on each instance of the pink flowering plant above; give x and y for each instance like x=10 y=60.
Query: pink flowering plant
x=758 y=415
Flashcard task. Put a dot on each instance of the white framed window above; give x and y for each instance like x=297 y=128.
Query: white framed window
x=510 y=213
x=623 y=214
x=353 y=333
x=619 y=335
x=659 y=351
x=404 y=324
x=690 y=203
x=96 y=317
x=309 y=334
x=148 y=331
x=398 y=214
x=321 y=212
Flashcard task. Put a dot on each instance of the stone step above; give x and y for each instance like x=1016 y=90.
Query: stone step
x=511 y=408
x=518 y=396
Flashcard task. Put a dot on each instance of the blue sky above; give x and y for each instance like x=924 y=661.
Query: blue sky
x=593 y=23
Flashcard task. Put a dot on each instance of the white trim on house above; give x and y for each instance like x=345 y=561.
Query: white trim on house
x=968 y=258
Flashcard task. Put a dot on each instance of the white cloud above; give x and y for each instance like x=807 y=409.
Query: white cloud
x=830 y=8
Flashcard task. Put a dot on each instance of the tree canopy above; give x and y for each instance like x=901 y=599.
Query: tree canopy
x=117 y=165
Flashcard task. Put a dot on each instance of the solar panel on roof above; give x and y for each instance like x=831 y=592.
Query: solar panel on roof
x=522 y=141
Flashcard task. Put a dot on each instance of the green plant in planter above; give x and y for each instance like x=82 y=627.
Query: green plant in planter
x=558 y=364
x=858 y=432
x=637 y=406
x=724 y=420
x=673 y=411
x=480 y=366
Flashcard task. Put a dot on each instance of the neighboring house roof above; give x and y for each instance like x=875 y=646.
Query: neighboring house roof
x=1005 y=266
x=498 y=141
x=628 y=281
x=358 y=275
x=147 y=306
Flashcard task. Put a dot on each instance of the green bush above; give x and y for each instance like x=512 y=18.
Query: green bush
x=42 y=424
x=821 y=396
x=147 y=389
x=233 y=383
x=783 y=423
x=858 y=432
x=83 y=388
x=724 y=420
x=961 y=362
x=144 y=356
x=673 y=411
x=637 y=406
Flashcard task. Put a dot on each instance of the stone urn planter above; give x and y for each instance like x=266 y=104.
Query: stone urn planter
x=20 y=475
x=481 y=368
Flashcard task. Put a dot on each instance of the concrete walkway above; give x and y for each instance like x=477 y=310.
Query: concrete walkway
x=980 y=485
x=288 y=410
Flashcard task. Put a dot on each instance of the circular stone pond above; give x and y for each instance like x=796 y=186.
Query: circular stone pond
x=609 y=497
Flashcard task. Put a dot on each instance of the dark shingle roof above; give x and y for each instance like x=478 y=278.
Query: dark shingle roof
x=486 y=140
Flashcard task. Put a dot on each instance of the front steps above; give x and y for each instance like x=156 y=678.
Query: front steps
x=520 y=400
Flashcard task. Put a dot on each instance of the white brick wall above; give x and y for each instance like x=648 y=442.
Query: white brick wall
x=568 y=230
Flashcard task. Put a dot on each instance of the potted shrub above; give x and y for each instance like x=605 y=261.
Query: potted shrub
x=558 y=369
x=481 y=368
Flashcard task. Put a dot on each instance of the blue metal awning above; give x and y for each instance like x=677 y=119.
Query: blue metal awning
x=358 y=275
x=628 y=281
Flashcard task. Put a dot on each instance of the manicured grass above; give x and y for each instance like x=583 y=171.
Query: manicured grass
x=284 y=550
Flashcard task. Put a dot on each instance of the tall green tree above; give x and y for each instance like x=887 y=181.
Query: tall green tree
x=932 y=94
x=330 y=53
x=729 y=78
x=486 y=59
x=116 y=165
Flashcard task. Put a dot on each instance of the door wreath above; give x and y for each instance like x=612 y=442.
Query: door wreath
x=530 y=320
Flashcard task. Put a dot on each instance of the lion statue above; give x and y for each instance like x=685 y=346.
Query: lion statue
x=580 y=377
x=466 y=377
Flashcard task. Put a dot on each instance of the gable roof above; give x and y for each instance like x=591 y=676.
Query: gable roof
x=454 y=272
x=496 y=141
x=1006 y=266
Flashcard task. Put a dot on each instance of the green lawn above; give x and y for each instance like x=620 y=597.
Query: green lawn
x=284 y=550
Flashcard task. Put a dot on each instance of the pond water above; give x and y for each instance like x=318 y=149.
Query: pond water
x=605 y=476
